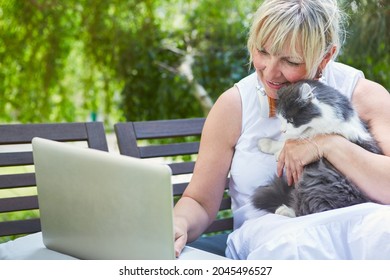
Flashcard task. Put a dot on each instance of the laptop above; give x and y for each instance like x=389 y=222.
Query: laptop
x=101 y=205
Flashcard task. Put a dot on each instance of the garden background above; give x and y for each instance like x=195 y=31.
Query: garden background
x=78 y=60
x=118 y=60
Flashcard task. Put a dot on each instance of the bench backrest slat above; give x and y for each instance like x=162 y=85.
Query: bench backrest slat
x=167 y=139
x=14 y=140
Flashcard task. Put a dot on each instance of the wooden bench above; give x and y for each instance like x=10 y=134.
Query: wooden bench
x=175 y=142
x=18 y=155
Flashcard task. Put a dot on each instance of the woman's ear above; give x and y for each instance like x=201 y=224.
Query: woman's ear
x=328 y=56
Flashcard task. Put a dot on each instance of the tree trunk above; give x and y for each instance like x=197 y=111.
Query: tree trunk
x=199 y=91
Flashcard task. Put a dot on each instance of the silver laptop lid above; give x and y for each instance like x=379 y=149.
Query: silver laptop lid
x=99 y=205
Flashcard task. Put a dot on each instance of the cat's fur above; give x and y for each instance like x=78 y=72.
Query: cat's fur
x=308 y=108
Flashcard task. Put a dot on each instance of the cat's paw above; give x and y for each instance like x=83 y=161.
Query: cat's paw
x=285 y=211
x=265 y=145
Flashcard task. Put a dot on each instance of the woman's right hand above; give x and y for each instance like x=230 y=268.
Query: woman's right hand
x=296 y=154
x=181 y=236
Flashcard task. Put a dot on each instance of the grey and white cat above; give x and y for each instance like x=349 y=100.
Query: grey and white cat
x=308 y=108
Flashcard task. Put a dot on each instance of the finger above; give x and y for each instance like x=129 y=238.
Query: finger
x=296 y=172
x=289 y=176
x=295 y=176
x=179 y=245
x=281 y=164
x=290 y=180
x=280 y=169
x=299 y=173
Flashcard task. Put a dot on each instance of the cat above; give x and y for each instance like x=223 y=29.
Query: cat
x=308 y=108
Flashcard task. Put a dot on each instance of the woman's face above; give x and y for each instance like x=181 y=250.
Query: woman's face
x=278 y=70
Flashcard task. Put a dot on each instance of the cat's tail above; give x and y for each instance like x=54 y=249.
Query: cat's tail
x=271 y=197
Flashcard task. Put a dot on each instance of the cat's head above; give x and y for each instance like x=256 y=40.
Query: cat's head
x=297 y=108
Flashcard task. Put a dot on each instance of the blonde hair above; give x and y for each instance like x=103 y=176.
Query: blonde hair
x=314 y=26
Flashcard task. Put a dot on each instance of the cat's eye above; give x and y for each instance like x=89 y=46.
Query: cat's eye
x=290 y=120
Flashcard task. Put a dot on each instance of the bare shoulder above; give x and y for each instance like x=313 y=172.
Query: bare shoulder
x=372 y=102
x=230 y=99
x=224 y=119
x=370 y=98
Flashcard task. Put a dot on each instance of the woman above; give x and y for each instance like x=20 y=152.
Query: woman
x=289 y=40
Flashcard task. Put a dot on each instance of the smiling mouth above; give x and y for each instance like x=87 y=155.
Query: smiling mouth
x=277 y=84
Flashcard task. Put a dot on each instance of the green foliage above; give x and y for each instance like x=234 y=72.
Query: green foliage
x=64 y=60
x=368 y=42
x=221 y=35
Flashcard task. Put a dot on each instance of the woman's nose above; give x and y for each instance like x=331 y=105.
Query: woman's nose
x=271 y=67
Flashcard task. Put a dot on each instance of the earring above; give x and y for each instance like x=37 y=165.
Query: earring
x=320 y=77
x=319 y=74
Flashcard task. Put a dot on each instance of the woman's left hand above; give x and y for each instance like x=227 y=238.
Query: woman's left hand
x=296 y=154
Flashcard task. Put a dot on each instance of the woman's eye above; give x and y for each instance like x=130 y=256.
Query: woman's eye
x=295 y=64
x=262 y=51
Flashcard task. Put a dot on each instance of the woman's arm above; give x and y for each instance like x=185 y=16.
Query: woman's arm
x=370 y=172
x=200 y=202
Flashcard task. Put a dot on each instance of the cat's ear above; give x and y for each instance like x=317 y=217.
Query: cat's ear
x=307 y=92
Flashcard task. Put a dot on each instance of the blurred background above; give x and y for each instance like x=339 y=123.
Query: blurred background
x=78 y=60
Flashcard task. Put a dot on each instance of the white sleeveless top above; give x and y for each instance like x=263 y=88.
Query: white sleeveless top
x=251 y=168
